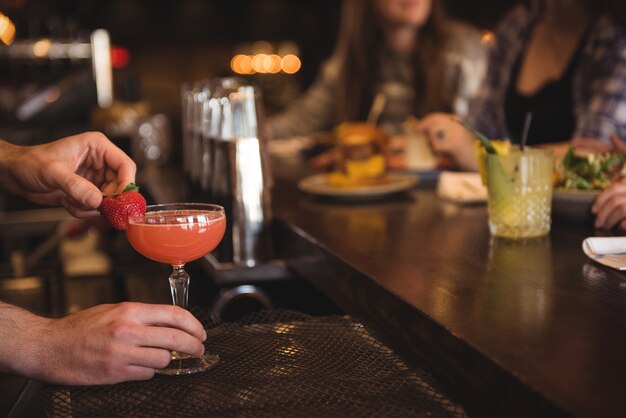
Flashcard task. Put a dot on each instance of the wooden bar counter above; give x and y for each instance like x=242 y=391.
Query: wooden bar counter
x=528 y=328
x=511 y=328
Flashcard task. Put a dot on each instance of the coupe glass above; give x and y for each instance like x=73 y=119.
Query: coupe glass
x=177 y=233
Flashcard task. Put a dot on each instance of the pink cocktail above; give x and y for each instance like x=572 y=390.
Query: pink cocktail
x=186 y=235
x=175 y=234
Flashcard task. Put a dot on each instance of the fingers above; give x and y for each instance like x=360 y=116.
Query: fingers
x=76 y=187
x=450 y=142
x=83 y=164
x=76 y=209
x=113 y=159
x=440 y=131
x=137 y=373
x=610 y=207
x=170 y=316
x=166 y=339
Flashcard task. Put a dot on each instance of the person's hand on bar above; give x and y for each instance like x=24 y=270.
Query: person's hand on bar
x=107 y=343
x=102 y=345
x=610 y=205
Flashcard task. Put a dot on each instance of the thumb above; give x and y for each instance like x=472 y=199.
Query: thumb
x=75 y=187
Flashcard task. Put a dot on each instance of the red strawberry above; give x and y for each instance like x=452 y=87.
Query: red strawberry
x=118 y=207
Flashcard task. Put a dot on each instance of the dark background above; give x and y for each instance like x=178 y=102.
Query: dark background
x=177 y=41
x=143 y=25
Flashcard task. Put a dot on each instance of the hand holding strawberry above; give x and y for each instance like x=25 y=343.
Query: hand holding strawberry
x=116 y=208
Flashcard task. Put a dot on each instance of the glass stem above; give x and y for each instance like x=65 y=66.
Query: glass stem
x=179 y=285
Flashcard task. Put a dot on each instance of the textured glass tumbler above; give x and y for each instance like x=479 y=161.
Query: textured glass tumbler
x=519 y=185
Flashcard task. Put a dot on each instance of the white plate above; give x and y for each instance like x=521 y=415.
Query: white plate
x=573 y=204
x=317 y=184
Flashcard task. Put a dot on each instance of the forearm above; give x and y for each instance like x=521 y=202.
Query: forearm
x=20 y=341
x=9 y=154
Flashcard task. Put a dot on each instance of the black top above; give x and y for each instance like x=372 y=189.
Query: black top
x=553 y=118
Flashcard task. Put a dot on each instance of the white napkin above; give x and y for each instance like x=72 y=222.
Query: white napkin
x=610 y=251
x=461 y=187
x=605 y=245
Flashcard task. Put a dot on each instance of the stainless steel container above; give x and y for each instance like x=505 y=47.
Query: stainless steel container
x=235 y=170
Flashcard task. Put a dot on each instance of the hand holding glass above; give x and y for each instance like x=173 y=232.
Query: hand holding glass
x=177 y=233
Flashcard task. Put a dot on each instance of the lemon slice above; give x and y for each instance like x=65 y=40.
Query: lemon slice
x=502 y=147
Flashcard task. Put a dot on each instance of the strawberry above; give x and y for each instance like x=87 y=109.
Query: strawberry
x=116 y=208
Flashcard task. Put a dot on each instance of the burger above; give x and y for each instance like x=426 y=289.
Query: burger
x=360 y=155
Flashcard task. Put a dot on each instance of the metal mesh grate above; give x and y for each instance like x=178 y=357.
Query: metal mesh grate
x=273 y=363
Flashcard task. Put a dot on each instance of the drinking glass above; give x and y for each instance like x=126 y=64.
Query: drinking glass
x=177 y=233
x=519 y=188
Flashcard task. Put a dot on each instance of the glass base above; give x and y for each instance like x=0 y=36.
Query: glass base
x=185 y=364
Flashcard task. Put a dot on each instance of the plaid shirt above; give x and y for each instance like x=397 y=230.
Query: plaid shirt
x=599 y=80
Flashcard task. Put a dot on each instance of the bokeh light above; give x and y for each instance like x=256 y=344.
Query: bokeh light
x=262 y=57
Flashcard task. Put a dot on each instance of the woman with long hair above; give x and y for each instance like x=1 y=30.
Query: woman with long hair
x=407 y=50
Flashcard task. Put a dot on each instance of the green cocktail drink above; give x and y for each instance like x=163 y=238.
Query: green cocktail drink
x=519 y=186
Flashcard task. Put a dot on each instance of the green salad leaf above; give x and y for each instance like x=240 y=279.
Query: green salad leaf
x=590 y=171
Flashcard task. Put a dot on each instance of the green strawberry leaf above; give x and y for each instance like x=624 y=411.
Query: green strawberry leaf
x=131 y=187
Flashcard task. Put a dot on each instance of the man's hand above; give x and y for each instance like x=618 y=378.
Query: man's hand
x=72 y=172
x=101 y=345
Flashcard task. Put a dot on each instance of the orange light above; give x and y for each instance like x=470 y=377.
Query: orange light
x=7 y=30
x=257 y=63
x=41 y=48
x=235 y=63
x=241 y=64
x=291 y=64
x=246 y=65
x=274 y=66
x=264 y=63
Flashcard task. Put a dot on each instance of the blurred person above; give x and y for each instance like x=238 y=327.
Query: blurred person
x=107 y=343
x=561 y=61
x=408 y=50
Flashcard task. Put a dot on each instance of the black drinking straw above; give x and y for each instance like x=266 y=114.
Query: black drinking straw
x=529 y=117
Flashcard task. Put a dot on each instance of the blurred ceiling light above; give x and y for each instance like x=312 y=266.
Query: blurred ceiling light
x=7 y=30
x=257 y=63
x=41 y=48
x=246 y=65
x=291 y=64
x=261 y=58
x=275 y=62
x=267 y=65
x=238 y=65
